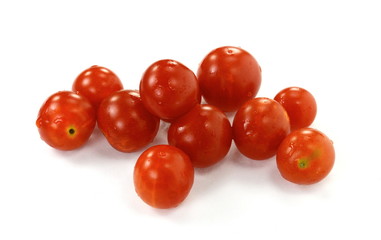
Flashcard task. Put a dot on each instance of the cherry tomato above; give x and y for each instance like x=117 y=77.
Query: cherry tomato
x=66 y=120
x=169 y=89
x=163 y=176
x=125 y=122
x=228 y=77
x=299 y=104
x=204 y=133
x=259 y=127
x=306 y=156
x=96 y=83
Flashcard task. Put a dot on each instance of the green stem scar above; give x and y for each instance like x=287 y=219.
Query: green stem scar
x=304 y=162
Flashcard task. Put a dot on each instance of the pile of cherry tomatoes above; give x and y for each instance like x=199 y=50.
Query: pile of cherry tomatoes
x=200 y=135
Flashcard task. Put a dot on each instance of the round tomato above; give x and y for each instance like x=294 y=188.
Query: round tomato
x=204 y=133
x=125 y=122
x=66 y=120
x=96 y=83
x=169 y=89
x=163 y=176
x=259 y=127
x=228 y=77
x=299 y=104
x=306 y=156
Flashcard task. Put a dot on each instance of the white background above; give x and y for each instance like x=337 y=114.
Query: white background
x=331 y=48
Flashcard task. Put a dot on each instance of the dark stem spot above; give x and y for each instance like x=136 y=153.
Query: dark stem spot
x=71 y=131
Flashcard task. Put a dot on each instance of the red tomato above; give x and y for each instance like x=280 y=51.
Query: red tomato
x=125 y=122
x=228 y=77
x=259 y=127
x=66 y=120
x=163 y=176
x=204 y=133
x=300 y=106
x=169 y=89
x=96 y=83
x=306 y=156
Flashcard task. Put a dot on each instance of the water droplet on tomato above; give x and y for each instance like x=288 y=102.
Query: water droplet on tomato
x=172 y=84
x=57 y=121
x=158 y=91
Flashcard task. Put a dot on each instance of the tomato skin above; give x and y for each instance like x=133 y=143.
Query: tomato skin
x=259 y=127
x=96 y=83
x=163 y=176
x=204 y=133
x=300 y=106
x=305 y=156
x=125 y=122
x=66 y=120
x=169 y=89
x=228 y=77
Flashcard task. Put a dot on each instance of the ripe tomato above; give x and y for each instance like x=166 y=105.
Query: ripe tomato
x=228 y=77
x=204 y=133
x=300 y=106
x=163 y=176
x=125 y=122
x=66 y=120
x=96 y=83
x=259 y=127
x=169 y=89
x=306 y=156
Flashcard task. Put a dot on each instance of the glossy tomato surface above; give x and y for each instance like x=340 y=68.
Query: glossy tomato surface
x=228 y=77
x=306 y=156
x=66 y=120
x=169 y=89
x=204 y=133
x=259 y=127
x=96 y=83
x=163 y=176
x=125 y=122
x=299 y=104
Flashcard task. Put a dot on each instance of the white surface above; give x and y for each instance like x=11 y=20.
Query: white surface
x=331 y=48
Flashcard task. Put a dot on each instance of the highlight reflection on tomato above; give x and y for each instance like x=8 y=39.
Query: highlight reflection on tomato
x=163 y=176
